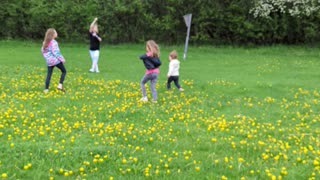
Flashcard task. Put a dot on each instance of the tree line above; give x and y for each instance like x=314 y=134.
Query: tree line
x=135 y=21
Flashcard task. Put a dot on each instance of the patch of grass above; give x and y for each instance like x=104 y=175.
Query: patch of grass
x=246 y=113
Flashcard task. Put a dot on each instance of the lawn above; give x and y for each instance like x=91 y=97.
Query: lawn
x=246 y=113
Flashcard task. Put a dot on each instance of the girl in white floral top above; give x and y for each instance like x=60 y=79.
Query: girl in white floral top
x=51 y=53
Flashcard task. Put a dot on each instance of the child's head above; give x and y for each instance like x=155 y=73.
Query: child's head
x=153 y=47
x=94 y=28
x=173 y=55
x=50 y=35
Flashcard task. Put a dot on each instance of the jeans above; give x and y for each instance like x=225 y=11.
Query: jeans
x=50 y=70
x=175 y=79
x=153 y=78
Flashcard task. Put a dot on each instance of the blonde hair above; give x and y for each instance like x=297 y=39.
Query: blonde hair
x=153 y=48
x=51 y=32
x=95 y=25
x=173 y=54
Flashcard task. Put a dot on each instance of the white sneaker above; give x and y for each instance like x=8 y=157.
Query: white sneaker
x=181 y=90
x=91 y=70
x=144 y=99
x=60 y=86
x=97 y=71
x=46 y=91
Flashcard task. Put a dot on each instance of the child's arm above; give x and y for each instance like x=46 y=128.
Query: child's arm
x=144 y=57
x=170 y=69
x=148 y=55
x=56 y=52
x=92 y=24
x=96 y=35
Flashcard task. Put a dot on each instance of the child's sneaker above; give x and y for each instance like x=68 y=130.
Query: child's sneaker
x=181 y=90
x=46 y=91
x=97 y=71
x=154 y=101
x=61 y=89
x=91 y=70
x=144 y=99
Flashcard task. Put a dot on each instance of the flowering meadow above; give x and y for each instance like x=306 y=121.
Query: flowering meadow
x=245 y=114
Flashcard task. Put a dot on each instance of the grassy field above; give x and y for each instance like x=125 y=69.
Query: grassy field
x=246 y=113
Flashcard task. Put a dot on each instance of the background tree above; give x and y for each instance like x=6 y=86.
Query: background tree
x=265 y=8
x=296 y=21
x=135 y=21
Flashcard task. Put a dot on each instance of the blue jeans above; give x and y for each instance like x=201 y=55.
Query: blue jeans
x=153 y=78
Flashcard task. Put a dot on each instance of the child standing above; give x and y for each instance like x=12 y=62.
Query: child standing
x=151 y=61
x=173 y=73
x=51 y=53
x=94 y=45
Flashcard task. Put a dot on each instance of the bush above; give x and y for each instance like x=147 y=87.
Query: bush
x=135 y=21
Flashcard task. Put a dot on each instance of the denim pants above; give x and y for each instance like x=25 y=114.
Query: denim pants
x=153 y=78
x=50 y=70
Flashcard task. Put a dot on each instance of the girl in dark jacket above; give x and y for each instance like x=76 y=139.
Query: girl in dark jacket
x=151 y=61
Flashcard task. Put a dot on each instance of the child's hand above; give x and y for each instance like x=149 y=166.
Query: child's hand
x=96 y=19
x=149 y=54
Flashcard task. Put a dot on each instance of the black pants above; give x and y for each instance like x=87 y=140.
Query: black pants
x=50 y=70
x=175 y=79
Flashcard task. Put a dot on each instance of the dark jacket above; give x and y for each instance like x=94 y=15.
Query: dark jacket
x=150 y=62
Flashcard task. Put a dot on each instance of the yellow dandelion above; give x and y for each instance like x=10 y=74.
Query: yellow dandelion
x=124 y=161
x=241 y=160
x=197 y=168
x=4 y=175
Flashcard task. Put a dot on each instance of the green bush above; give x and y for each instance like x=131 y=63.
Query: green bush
x=135 y=21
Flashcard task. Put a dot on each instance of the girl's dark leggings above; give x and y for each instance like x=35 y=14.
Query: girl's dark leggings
x=50 y=70
x=175 y=79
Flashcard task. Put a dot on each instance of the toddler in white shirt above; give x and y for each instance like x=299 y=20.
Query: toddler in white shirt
x=173 y=73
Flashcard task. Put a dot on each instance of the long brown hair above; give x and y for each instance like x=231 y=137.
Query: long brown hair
x=153 y=47
x=48 y=37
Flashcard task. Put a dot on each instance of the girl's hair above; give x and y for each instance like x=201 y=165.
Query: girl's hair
x=48 y=37
x=173 y=54
x=153 y=48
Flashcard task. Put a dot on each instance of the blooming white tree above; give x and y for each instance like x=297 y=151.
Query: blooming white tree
x=296 y=8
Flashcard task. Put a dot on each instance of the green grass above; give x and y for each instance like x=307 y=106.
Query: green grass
x=246 y=113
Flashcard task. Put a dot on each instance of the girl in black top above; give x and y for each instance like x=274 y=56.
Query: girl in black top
x=94 y=45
